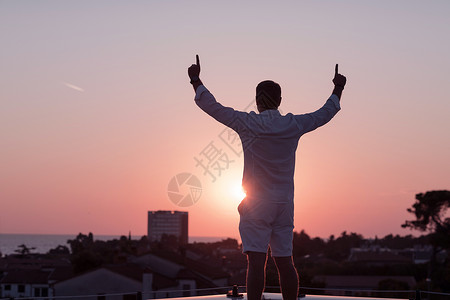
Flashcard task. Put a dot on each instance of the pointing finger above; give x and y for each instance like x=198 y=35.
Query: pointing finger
x=198 y=60
x=336 y=70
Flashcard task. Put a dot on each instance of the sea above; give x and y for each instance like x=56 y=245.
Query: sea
x=42 y=243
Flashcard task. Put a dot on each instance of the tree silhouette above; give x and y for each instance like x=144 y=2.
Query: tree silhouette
x=59 y=250
x=339 y=249
x=81 y=242
x=84 y=257
x=304 y=245
x=23 y=250
x=430 y=209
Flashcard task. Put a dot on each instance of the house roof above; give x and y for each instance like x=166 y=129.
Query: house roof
x=360 y=281
x=135 y=272
x=379 y=257
x=129 y=270
x=12 y=261
x=3 y=263
x=26 y=276
x=211 y=270
x=162 y=282
x=35 y=269
x=61 y=273
x=159 y=265
x=166 y=271
x=132 y=271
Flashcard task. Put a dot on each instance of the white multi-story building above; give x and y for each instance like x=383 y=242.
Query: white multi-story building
x=164 y=222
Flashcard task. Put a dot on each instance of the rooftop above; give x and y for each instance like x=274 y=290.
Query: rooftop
x=277 y=296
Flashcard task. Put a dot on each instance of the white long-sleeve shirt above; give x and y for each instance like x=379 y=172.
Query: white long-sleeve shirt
x=269 y=142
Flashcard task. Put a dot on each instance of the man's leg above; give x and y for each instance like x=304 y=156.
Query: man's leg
x=288 y=277
x=256 y=274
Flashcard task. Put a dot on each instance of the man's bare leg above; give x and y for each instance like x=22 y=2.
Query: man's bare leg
x=288 y=277
x=256 y=274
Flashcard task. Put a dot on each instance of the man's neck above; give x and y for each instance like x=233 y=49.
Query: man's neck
x=261 y=109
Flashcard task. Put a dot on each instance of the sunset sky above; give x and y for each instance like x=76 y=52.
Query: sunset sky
x=97 y=113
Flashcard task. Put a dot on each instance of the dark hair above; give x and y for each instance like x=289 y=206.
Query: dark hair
x=268 y=94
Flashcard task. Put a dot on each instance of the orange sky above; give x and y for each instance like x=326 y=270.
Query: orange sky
x=97 y=114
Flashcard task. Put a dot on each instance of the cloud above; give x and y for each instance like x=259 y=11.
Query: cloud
x=77 y=88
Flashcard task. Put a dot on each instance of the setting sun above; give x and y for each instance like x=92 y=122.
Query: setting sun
x=230 y=188
x=238 y=192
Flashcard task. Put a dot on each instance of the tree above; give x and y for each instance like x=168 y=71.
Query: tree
x=83 y=253
x=304 y=245
x=430 y=209
x=59 y=250
x=81 y=242
x=339 y=249
x=23 y=250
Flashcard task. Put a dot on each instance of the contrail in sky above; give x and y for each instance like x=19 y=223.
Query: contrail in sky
x=77 y=88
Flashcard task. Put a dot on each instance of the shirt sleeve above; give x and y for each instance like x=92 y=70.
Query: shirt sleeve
x=225 y=115
x=311 y=121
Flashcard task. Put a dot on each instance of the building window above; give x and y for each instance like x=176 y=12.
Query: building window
x=41 y=292
x=7 y=287
x=21 y=288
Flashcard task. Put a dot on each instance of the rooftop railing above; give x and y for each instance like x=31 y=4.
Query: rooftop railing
x=221 y=293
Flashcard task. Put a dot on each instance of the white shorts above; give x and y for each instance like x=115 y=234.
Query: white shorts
x=264 y=223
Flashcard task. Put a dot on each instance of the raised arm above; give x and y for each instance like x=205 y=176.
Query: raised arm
x=206 y=101
x=310 y=121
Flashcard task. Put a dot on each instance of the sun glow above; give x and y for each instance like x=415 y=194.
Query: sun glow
x=238 y=192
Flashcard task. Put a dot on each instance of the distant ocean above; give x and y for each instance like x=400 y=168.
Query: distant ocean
x=44 y=242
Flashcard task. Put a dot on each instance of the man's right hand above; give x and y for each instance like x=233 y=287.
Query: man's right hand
x=339 y=80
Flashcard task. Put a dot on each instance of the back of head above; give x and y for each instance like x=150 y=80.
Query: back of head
x=268 y=95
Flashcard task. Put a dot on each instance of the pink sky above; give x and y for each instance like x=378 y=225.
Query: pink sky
x=97 y=113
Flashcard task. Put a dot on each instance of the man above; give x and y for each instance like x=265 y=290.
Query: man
x=269 y=141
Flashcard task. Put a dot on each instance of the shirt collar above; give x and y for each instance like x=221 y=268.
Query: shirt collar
x=271 y=112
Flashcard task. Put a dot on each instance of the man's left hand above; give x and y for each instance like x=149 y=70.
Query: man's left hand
x=194 y=70
x=339 y=80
